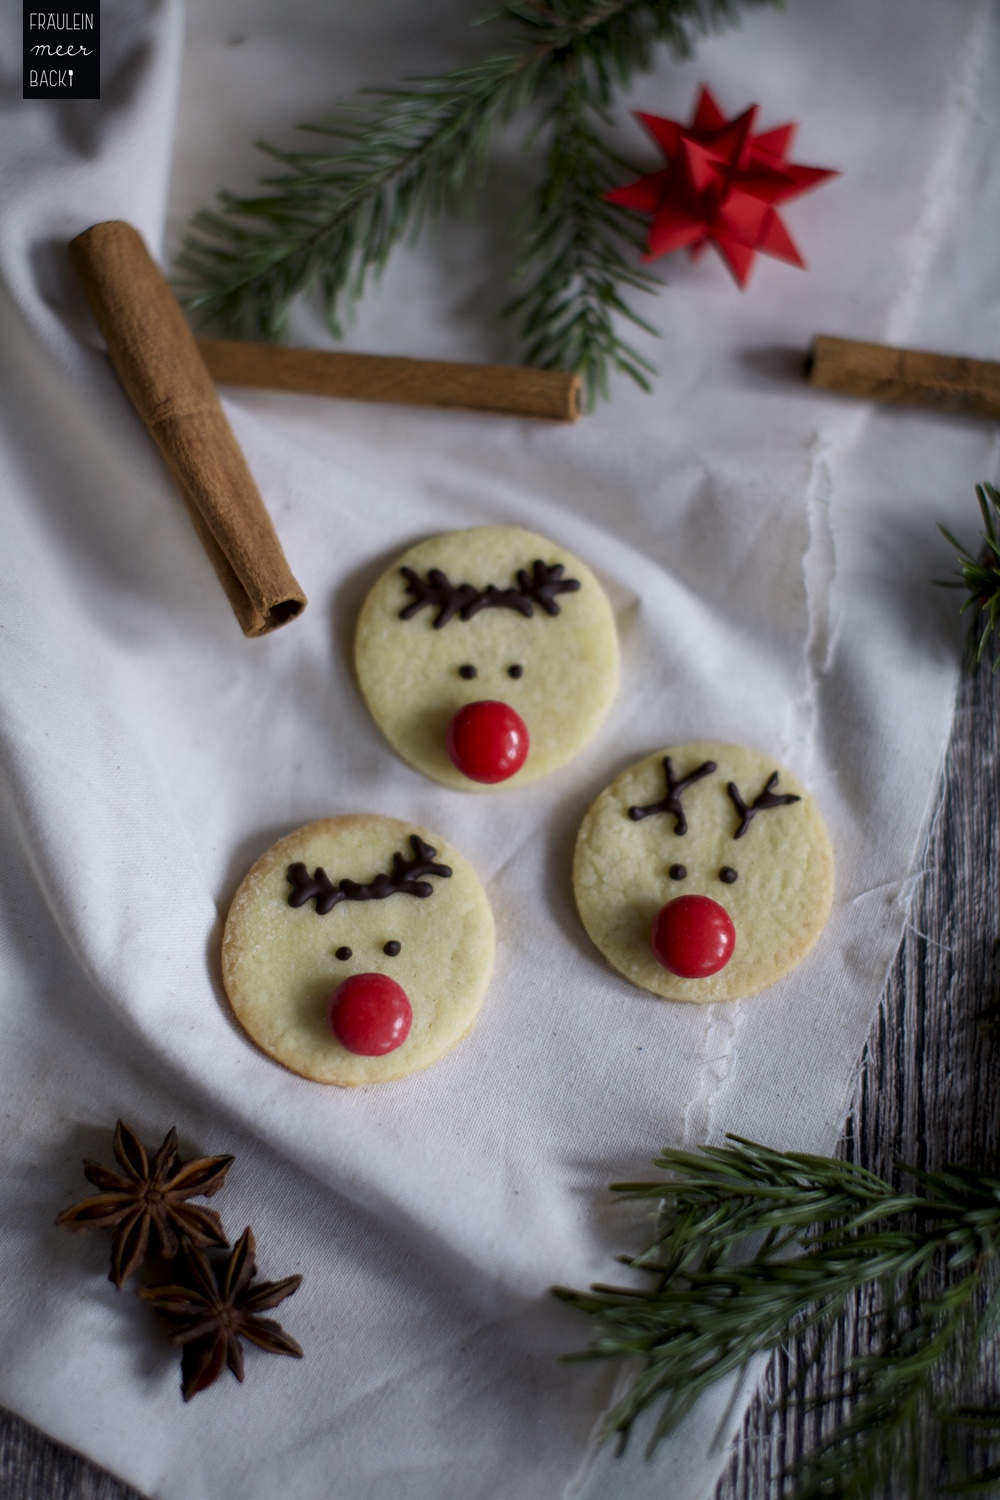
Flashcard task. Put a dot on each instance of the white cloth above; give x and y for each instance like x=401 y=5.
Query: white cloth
x=768 y=551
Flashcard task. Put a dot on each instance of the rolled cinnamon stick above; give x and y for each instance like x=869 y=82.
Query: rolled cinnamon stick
x=906 y=377
x=156 y=358
x=514 y=390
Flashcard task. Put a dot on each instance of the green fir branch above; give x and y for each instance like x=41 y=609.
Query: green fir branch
x=579 y=254
x=984 y=1425
x=892 y=1398
x=980 y=575
x=334 y=215
x=331 y=216
x=755 y=1247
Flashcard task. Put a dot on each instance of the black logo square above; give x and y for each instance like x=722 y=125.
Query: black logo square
x=62 y=52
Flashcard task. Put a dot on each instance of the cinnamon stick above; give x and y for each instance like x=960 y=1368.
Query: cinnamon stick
x=156 y=358
x=906 y=377
x=515 y=390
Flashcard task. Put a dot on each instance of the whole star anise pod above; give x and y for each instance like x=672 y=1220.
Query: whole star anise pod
x=150 y=1196
x=213 y=1311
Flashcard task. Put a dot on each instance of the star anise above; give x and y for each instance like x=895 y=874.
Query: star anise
x=214 y=1306
x=150 y=1196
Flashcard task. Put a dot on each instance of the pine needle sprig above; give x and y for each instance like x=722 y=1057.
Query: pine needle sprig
x=754 y=1247
x=576 y=256
x=331 y=217
x=983 y=1424
x=980 y=575
x=892 y=1396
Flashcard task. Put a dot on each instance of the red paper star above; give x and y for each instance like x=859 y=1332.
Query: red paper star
x=720 y=185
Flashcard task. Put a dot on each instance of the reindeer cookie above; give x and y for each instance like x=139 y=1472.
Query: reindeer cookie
x=487 y=657
x=704 y=872
x=358 y=949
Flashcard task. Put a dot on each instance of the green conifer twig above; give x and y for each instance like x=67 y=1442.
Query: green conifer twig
x=754 y=1247
x=980 y=575
x=332 y=216
x=576 y=259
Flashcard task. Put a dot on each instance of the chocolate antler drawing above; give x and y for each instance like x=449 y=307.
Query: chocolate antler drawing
x=766 y=800
x=671 y=803
x=404 y=881
x=540 y=587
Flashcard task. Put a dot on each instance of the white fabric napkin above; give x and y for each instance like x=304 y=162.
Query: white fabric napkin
x=768 y=552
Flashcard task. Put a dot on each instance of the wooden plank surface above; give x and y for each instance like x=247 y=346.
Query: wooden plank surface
x=925 y=1093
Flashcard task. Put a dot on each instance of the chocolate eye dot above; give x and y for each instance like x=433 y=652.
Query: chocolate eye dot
x=678 y=872
x=342 y=954
x=516 y=670
x=468 y=671
x=728 y=874
x=392 y=948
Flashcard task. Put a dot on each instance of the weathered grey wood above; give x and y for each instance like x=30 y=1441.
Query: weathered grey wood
x=926 y=1095
x=927 y=1090
x=33 y=1467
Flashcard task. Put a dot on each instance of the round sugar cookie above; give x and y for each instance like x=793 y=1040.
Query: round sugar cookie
x=472 y=637
x=717 y=855
x=348 y=897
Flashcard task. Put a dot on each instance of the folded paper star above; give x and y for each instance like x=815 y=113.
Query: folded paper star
x=721 y=186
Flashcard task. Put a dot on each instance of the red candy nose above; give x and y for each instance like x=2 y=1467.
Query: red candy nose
x=369 y=1014
x=487 y=741
x=693 y=936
